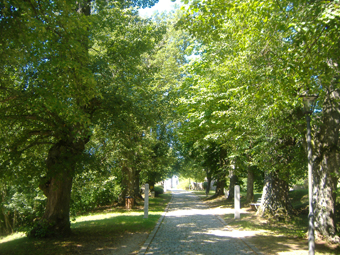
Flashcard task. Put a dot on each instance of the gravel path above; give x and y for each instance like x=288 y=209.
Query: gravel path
x=189 y=227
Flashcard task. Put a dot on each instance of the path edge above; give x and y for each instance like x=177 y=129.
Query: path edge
x=242 y=239
x=251 y=246
x=148 y=241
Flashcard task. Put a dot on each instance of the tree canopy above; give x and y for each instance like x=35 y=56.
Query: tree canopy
x=90 y=87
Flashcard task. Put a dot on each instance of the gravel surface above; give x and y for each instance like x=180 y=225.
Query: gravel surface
x=190 y=227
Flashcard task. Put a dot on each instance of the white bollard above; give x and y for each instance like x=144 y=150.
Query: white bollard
x=146 y=200
x=237 y=201
x=164 y=186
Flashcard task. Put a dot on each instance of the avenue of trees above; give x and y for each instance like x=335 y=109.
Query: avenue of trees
x=241 y=96
x=95 y=101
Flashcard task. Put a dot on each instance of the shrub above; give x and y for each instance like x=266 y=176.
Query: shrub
x=158 y=190
x=20 y=205
x=91 y=190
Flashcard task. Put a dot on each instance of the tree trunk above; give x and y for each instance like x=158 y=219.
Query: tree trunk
x=250 y=185
x=56 y=186
x=220 y=184
x=128 y=184
x=5 y=226
x=207 y=190
x=233 y=182
x=136 y=185
x=326 y=168
x=275 y=200
x=8 y=228
x=56 y=218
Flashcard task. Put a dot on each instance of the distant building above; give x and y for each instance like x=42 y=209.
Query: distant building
x=171 y=183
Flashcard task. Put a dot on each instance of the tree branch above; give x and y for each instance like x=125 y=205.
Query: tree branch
x=33 y=144
x=30 y=117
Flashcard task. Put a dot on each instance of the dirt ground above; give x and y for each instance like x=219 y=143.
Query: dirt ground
x=265 y=240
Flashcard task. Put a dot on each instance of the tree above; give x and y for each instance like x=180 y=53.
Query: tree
x=62 y=69
x=261 y=55
x=317 y=44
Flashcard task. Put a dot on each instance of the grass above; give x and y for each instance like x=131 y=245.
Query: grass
x=96 y=233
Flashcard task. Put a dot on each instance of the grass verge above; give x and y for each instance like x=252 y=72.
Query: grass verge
x=99 y=233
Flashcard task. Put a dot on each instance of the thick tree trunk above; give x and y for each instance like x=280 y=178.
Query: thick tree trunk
x=56 y=186
x=128 y=184
x=250 y=186
x=326 y=168
x=56 y=218
x=220 y=184
x=275 y=198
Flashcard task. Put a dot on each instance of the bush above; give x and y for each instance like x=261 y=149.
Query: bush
x=158 y=190
x=91 y=190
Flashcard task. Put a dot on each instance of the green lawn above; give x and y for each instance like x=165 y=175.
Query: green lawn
x=91 y=234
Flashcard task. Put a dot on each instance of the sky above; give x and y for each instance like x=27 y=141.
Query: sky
x=162 y=5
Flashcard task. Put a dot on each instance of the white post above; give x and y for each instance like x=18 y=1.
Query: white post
x=237 y=201
x=164 y=186
x=146 y=200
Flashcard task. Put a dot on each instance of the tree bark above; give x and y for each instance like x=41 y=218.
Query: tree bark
x=61 y=161
x=136 y=185
x=250 y=186
x=275 y=197
x=233 y=182
x=128 y=184
x=221 y=181
x=220 y=184
x=326 y=168
x=207 y=190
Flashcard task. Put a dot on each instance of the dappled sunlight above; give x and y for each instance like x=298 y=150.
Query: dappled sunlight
x=13 y=237
x=233 y=233
x=112 y=215
x=205 y=211
x=105 y=216
x=185 y=225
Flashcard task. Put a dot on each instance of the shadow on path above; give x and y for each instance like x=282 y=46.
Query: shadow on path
x=190 y=227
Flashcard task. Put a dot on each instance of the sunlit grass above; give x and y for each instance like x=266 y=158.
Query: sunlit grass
x=12 y=237
x=102 y=216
